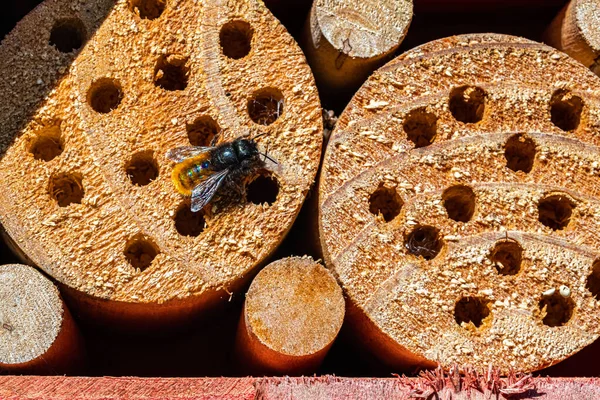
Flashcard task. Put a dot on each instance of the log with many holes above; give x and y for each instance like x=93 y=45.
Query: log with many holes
x=94 y=97
x=459 y=205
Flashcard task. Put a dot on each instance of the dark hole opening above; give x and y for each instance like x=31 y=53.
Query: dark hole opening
x=68 y=35
x=467 y=104
x=507 y=257
x=262 y=189
x=565 y=110
x=424 y=241
x=385 y=201
x=556 y=309
x=471 y=310
x=105 y=95
x=593 y=280
x=148 y=9
x=459 y=202
x=555 y=211
x=47 y=144
x=140 y=253
x=265 y=106
x=202 y=131
x=520 y=153
x=236 y=39
x=420 y=127
x=171 y=72
x=66 y=189
x=189 y=223
x=142 y=169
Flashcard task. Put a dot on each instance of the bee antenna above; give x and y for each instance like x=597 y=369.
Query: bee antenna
x=267 y=156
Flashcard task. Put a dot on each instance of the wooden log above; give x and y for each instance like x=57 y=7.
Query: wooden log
x=575 y=31
x=345 y=41
x=457 y=201
x=96 y=96
x=293 y=312
x=37 y=333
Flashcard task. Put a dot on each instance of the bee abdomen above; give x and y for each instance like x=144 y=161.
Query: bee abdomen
x=191 y=176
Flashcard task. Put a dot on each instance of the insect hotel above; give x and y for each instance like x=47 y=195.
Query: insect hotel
x=305 y=199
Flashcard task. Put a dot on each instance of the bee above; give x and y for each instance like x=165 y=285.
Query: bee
x=201 y=171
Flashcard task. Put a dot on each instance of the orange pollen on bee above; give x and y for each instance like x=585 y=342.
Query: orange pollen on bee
x=189 y=173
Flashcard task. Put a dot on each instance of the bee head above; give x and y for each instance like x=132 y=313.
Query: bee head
x=245 y=148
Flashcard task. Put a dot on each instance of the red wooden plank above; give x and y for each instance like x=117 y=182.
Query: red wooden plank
x=327 y=387
x=76 y=388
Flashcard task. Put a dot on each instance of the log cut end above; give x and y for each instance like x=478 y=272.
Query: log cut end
x=293 y=312
x=346 y=40
x=458 y=203
x=575 y=31
x=37 y=333
x=108 y=90
x=364 y=29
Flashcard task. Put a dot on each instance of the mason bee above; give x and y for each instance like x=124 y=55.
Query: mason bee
x=201 y=171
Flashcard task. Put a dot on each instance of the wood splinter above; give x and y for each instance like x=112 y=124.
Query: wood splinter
x=293 y=312
x=37 y=333
x=345 y=41
x=575 y=31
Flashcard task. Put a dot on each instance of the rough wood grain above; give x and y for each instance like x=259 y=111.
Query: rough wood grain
x=86 y=190
x=575 y=31
x=327 y=387
x=37 y=332
x=345 y=40
x=293 y=312
x=458 y=203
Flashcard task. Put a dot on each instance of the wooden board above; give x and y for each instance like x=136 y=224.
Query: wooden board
x=327 y=387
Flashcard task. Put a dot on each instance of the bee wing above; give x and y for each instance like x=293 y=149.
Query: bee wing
x=205 y=190
x=178 y=154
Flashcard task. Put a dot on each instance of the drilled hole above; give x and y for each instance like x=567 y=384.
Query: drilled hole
x=507 y=257
x=593 y=280
x=143 y=168
x=471 y=310
x=467 y=104
x=171 y=72
x=68 y=35
x=148 y=9
x=66 y=189
x=385 y=201
x=420 y=127
x=202 y=131
x=189 y=223
x=565 y=110
x=424 y=241
x=520 y=153
x=556 y=310
x=459 y=202
x=262 y=189
x=265 y=106
x=140 y=252
x=105 y=95
x=236 y=39
x=47 y=144
x=555 y=211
